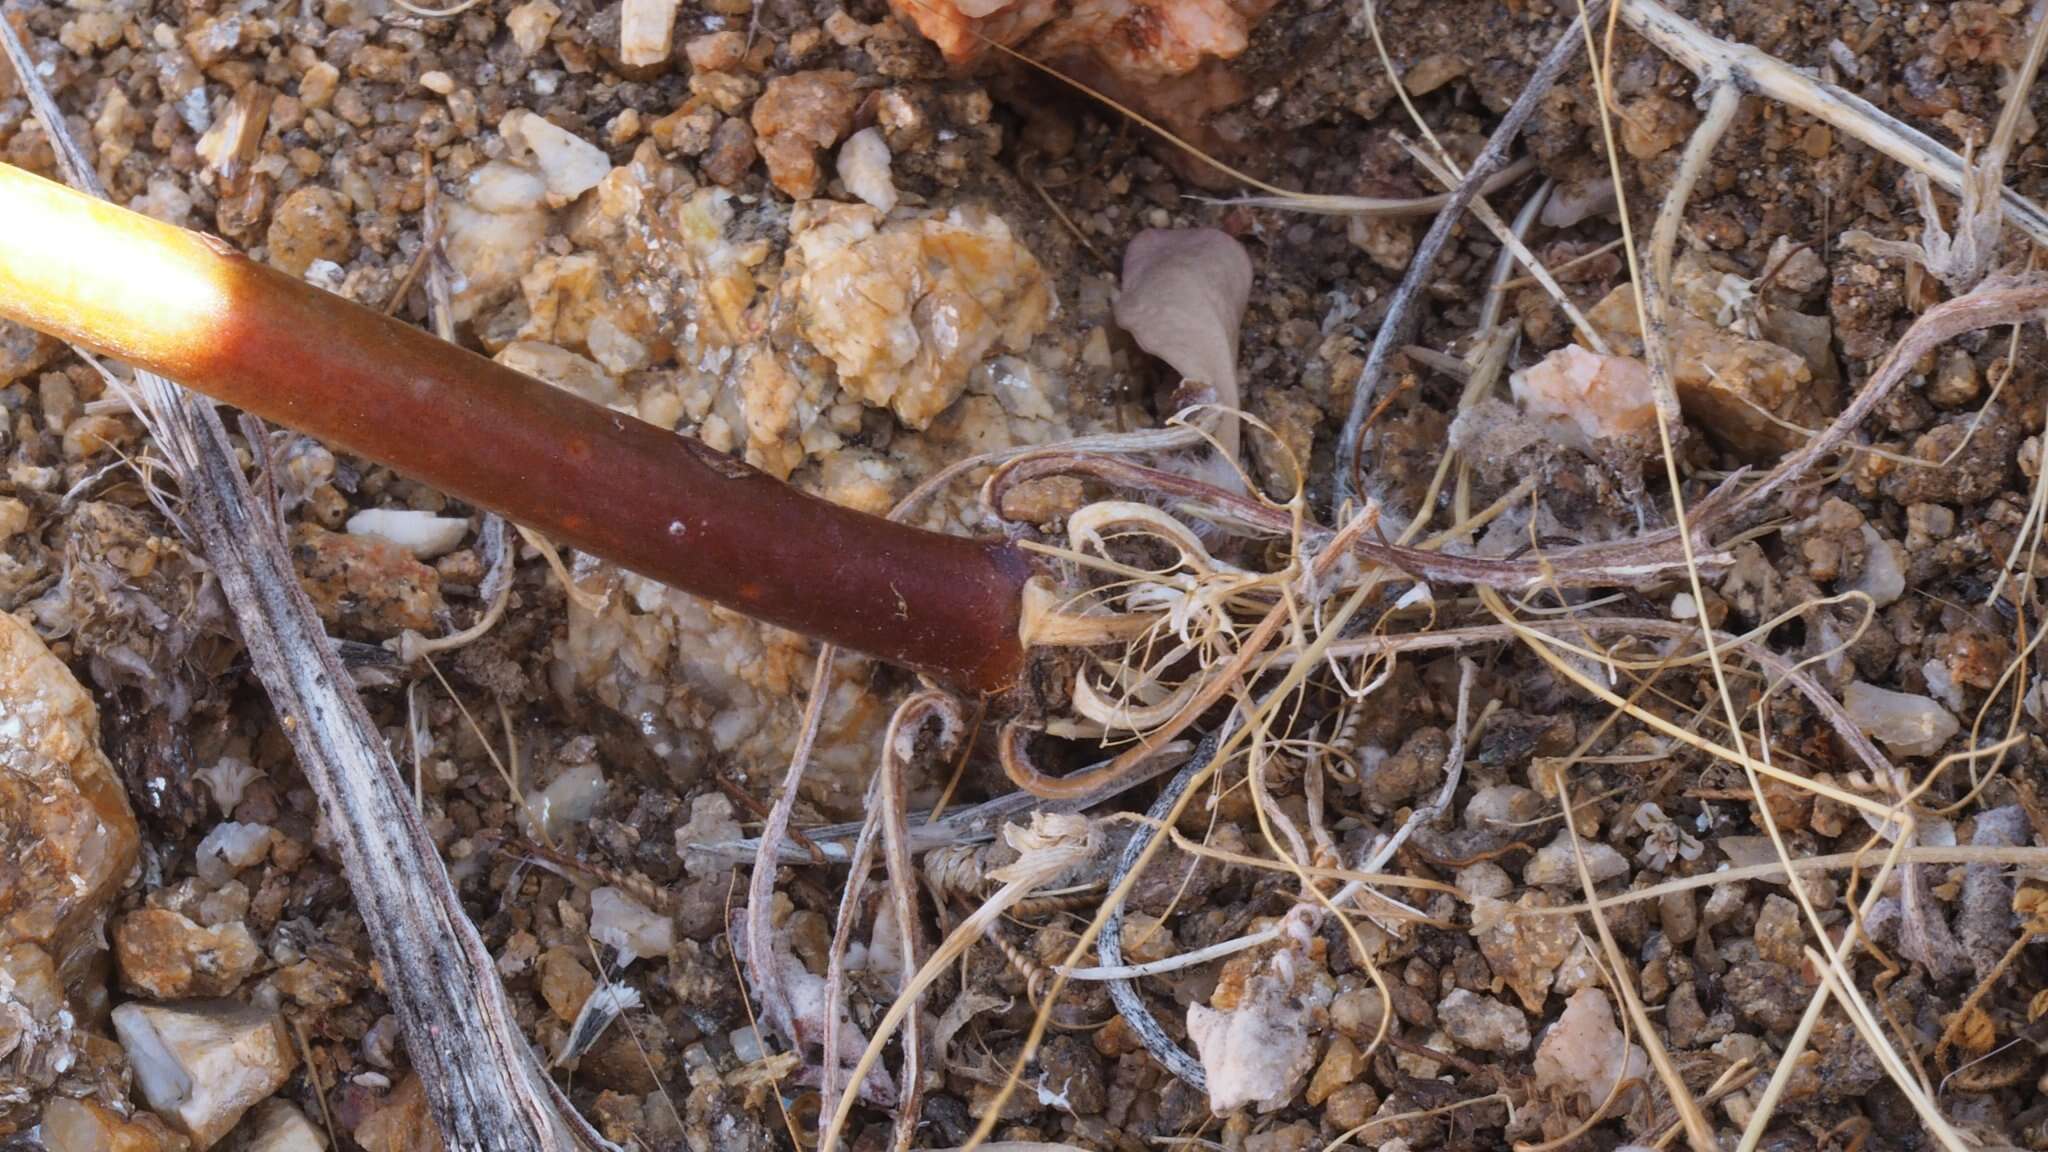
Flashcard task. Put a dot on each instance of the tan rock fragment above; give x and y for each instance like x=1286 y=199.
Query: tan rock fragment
x=41 y=1040
x=1583 y=398
x=530 y=24
x=905 y=309
x=277 y=1126
x=163 y=955
x=202 y=1064
x=23 y=351
x=312 y=223
x=1730 y=385
x=230 y=144
x=1256 y=1051
x=562 y=368
x=1524 y=951
x=491 y=233
x=365 y=582
x=403 y=1124
x=88 y=1126
x=797 y=115
x=1585 y=1051
x=570 y=164
x=66 y=832
x=647 y=30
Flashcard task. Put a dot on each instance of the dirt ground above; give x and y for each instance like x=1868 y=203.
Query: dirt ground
x=687 y=241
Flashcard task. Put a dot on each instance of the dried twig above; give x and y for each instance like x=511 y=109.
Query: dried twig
x=483 y=1081
x=1109 y=943
x=1395 y=330
x=1706 y=56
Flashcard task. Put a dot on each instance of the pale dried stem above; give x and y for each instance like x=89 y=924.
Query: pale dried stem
x=771 y=991
x=1400 y=319
x=850 y=904
x=1698 y=1132
x=1707 y=56
x=897 y=746
x=484 y=1084
x=1628 y=562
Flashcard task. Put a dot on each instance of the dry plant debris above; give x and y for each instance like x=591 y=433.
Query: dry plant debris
x=1648 y=755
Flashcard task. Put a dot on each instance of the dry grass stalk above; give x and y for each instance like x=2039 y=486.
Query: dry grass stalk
x=483 y=1080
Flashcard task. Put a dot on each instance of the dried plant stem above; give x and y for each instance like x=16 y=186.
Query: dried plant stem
x=1291 y=682
x=1628 y=562
x=1839 y=979
x=664 y=505
x=1109 y=944
x=850 y=904
x=1721 y=108
x=1014 y=740
x=764 y=972
x=484 y=1084
x=1698 y=1132
x=1707 y=56
x=1997 y=301
x=1396 y=328
x=898 y=744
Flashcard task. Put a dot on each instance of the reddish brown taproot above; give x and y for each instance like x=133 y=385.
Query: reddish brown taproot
x=189 y=308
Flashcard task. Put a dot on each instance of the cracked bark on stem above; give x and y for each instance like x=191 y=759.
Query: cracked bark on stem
x=483 y=1082
x=660 y=504
x=1395 y=330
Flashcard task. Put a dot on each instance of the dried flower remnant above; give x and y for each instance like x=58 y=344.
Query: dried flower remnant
x=1182 y=299
x=1664 y=842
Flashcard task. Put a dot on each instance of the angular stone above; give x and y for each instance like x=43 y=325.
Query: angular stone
x=66 y=831
x=163 y=955
x=1585 y=1050
x=277 y=1126
x=905 y=309
x=203 y=1064
x=311 y=224
x=1583 y=398
x=1483 y=1023
x=1731 y=385
x=88 y=1126
x=1905 y=723
x=797 y=115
